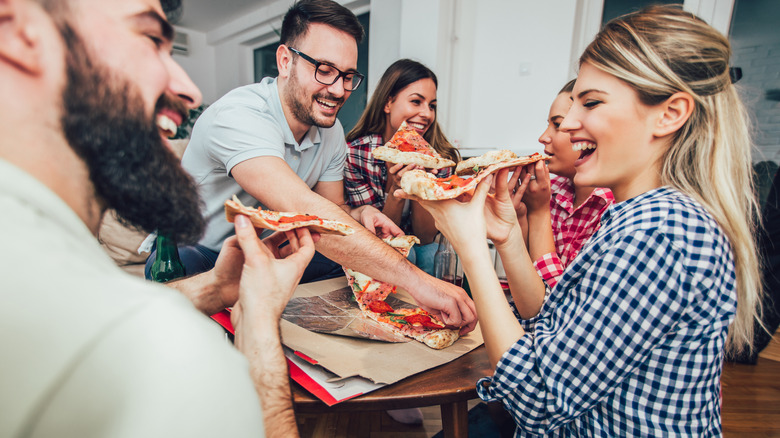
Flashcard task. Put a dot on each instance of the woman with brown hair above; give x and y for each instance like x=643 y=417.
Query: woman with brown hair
x=406 y=92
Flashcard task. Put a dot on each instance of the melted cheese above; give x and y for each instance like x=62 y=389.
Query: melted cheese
x=362 y=280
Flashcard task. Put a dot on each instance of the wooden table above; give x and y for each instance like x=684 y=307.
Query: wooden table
x=450 y=385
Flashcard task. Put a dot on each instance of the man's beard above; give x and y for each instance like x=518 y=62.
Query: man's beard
x=130 y=167
x=302 y=109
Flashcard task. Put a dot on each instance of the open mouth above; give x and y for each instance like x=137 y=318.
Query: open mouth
x=326 y=104
x=418 y=126
x=585 y=148
x=166 y=125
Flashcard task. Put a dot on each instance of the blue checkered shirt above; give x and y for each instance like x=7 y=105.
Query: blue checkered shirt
x=630 y=341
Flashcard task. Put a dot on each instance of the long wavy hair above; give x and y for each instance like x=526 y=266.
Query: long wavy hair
x=398 y=76
x=662 y=50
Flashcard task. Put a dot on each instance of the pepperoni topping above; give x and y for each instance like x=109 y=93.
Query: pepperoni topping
x=411 y=141
x=379 y=307
x=297 y=218
x=452 y=181
x=423 y=320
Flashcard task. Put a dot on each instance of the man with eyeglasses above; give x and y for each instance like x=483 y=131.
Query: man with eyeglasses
x=278 y=144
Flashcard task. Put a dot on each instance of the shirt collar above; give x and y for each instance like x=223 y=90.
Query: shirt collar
x=617 y=208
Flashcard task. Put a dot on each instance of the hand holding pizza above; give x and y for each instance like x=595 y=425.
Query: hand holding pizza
x=376 y=222
x=537 y=195
x=461 y=219
x=267 y=283
x=501 y=217
x=394 y=174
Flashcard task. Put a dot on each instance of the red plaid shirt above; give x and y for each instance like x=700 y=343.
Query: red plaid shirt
x=365 y=178
x=571 y=227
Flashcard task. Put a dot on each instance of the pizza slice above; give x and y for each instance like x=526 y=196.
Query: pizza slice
x=473 y=165
x=407 y=146
x=417 y=324
x=284 y=221
x=427 y=187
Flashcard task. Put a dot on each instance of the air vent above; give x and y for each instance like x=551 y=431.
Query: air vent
x=181 y=43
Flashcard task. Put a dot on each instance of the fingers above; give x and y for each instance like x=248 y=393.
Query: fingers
x=502 y=191
x=395 y=168
x=483 y=188
x=304 y=246
x=247 y=239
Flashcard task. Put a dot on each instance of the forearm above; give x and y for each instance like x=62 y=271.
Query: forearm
x=394 y=208
x=540 y=234
x=268 y=369
x=525 y=285
x=423 y=224
x=203 y=291
x=500 y=328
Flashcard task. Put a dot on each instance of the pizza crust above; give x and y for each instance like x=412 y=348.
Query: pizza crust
x=395 y=156
x=441 y=338
x=268 y=219
x=425 y=186
x=466 y=167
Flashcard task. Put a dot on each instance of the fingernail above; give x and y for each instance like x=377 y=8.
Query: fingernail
x=241 y=221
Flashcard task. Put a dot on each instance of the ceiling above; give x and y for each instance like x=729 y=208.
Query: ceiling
x=207 y=15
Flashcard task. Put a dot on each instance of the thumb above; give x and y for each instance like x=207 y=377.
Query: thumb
x=247 y=237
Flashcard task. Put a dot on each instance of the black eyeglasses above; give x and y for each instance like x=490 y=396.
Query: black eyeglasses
x=327 y=74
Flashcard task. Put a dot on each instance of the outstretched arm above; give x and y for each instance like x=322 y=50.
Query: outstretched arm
x=271 y=181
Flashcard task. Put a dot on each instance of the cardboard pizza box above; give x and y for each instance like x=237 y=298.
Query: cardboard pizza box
x=379 y=362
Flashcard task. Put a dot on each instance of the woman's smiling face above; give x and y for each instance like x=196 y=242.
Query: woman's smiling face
x=556 y=142
x=613 y=132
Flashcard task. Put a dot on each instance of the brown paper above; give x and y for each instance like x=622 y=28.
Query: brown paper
x=380 y=362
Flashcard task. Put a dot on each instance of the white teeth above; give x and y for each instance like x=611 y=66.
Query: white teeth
x=417 y=125
x=327 y=104
x=166 y=125
x=583 y=145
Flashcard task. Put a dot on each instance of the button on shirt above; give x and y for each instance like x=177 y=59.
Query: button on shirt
x=630 y=342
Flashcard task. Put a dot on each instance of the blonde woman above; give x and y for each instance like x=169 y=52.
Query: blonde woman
x=631 y=340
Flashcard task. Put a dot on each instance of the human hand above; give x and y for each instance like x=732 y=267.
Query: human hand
x=518 y=186
x=376 y=222
x=537 y=194
x=267 y=282
x=394 y=174
x=501 y=209
x=447 y=302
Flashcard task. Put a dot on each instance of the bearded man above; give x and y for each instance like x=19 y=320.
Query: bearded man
x=87 y=349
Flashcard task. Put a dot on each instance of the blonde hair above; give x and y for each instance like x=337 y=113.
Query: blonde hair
x=398 y=76
x=662 y=50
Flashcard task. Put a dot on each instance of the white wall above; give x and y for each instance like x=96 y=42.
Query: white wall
x=510 y=60
x=499 y=62
x=199 y=63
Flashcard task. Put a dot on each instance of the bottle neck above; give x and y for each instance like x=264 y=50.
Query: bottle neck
x=166 y=248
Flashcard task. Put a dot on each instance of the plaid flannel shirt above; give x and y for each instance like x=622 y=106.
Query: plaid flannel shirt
x=365 y=178
x=630 y=342
x=571 y=227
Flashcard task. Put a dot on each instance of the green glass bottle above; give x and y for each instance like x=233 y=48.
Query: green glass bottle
x=167 y=266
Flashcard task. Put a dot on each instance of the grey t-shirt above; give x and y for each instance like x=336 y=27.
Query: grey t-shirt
x=248 y=122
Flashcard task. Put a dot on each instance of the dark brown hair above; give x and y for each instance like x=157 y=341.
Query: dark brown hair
x=398 y=76
x=304 y=12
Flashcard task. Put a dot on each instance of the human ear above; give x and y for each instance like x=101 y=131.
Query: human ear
x=19 y=38
x=675 y=111
x=388 y=105
x=283 y=60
